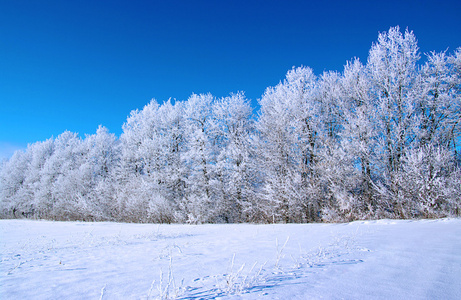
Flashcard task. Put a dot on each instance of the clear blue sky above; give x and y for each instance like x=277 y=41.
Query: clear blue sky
x=72 y=65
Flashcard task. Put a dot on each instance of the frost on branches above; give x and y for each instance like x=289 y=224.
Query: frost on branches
x=377 y=140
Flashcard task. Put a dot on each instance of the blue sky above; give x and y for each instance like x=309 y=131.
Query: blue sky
x=72 y=65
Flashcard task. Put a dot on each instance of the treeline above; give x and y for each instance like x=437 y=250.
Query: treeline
x=379 y=140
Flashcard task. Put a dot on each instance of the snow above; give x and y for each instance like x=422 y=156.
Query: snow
x=384 y=259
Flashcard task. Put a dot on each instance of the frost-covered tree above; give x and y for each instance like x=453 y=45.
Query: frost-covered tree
x=139 y=176
x=40 y=152
x=202 y=190
x=172 y=170
x=234 y=169
x=335 y=172
x=288 y=131
x=60 y=195
x=440 y=105
x=392 y=66
x=358 y=139
x=12 y=177
x=97 y=174
x=429 y=184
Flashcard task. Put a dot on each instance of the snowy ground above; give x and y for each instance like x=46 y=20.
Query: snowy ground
x=361 y=260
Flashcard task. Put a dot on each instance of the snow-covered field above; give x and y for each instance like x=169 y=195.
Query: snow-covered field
x=384 y=259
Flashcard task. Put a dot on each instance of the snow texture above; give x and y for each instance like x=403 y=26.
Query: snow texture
x=383 y=259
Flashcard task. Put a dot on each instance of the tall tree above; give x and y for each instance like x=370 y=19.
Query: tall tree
x=393 y=71
x=392 y=65
x=440 y=105
x=360 y=134
x=288 y=127
x=200 y=158
x=234 y=171
x=172 y=168
x=12 y=178
x=139 y=174
x=59 y=195
x=97 y=174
